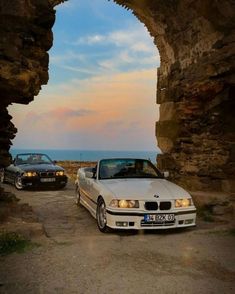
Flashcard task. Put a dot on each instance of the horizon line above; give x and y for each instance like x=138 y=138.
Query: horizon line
x=62 y=149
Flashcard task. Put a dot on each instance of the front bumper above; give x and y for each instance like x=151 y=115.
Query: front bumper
x=135 y=220
x=56 y=181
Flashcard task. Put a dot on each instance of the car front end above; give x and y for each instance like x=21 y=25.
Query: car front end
x=44 y=178
x=149 y=214
x=148 y=204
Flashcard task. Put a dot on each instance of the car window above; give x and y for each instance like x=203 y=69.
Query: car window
x=32 y=159
x=127 y=168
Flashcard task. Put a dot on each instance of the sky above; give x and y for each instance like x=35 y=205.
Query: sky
x=101 y=93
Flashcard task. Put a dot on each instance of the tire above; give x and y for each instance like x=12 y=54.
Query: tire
x=78 y=195
x=101 y=216
x=2 y=177
x=18 y=183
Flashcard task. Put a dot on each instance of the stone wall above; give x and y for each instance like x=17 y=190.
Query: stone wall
x=196 y=81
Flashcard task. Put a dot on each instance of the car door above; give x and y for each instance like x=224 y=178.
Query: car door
x=91 y=189
x=94 y=190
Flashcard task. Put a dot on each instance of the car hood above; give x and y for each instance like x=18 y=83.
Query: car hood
x=40 y=167
x=142 y=189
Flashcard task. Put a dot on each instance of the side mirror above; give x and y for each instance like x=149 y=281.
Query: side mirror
x=166 y=174
x=54 y=161
x=89 y=174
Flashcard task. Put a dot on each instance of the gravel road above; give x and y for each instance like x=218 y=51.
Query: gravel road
x=76 y=258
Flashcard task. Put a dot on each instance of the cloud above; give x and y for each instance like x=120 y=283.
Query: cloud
x=136 y=38
x=96 y=54
x=79 y=70
x=90 y=40
x=115 y=111
x=67 y=56
x=68 y=113
x=68 y=5
x=126 y=58
x=33 y=118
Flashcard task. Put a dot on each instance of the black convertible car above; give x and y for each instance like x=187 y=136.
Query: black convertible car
x=34 y=170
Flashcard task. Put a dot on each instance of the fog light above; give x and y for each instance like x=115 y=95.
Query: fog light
x=188 y=221
x=122 y=224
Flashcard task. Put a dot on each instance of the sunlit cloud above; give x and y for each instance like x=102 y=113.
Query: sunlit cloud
x=104 y=112
x=56 y=114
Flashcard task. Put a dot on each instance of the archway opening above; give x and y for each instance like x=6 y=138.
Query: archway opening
x=102 y=89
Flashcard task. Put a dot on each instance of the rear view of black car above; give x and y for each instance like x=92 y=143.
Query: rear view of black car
x=34 y=170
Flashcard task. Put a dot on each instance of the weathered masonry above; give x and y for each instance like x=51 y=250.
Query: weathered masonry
x=195 y=89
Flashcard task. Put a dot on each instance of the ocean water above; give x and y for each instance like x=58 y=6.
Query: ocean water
x=88 y=155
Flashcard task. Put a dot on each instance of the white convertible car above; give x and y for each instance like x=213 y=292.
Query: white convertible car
x=133 y=194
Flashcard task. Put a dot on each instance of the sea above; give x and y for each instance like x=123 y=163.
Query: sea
x=88 y=155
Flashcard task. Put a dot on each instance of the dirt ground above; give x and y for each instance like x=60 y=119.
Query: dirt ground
x=74 y=257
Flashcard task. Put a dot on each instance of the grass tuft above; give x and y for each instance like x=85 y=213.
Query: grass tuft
x=12 y=242
x=232 y=232
x=205 y=213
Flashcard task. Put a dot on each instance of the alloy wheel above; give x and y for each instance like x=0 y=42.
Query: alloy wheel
x=18 y=183
x=101 y=216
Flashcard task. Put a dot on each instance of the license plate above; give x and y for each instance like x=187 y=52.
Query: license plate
x=47 y=180
x=159 y=218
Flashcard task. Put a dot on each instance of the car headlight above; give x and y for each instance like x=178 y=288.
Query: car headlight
x=122 y=203
x=29 y=174
x=186 y=202
x=59 y=173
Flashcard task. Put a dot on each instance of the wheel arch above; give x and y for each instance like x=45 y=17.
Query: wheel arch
x=99 y=197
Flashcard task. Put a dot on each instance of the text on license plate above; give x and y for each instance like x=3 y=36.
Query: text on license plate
x=47 y=180
x=159 y=218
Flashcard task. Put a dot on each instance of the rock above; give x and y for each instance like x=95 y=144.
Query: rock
x=167 y=111
x=212 y=199
x=222 y=209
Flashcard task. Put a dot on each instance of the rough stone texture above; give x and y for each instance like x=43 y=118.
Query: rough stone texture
x=7 y=133
x=196 y=80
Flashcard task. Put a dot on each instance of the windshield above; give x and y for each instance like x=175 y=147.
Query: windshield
x=32 y=158
x=127 y=168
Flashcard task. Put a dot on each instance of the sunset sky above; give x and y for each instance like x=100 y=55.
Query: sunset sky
x=102 y=89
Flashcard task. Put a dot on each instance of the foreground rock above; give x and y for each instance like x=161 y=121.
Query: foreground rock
x=18 y=217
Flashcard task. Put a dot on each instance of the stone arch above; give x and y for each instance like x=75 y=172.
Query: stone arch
x=195 y=89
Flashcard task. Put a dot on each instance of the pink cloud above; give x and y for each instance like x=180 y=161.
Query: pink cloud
x=107 y=112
